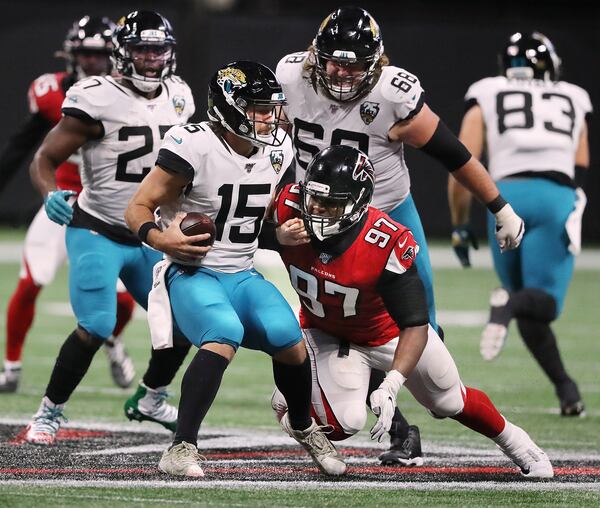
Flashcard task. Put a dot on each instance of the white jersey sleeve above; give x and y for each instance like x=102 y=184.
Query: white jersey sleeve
x=403 y=92
x=87 y=98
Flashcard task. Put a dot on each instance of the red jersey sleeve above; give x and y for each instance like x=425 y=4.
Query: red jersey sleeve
x=404 y=252
x=287 y=204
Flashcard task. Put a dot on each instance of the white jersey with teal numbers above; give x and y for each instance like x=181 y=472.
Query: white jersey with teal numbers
x=319 y=122
x=233 y=190
x=531 y=125
x=114 y=165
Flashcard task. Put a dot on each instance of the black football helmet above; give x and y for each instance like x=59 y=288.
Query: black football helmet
x=143 y=30
x=530 y=56
x=349 y=35
x=339 y=179
x=88 y=35
x=235 y=92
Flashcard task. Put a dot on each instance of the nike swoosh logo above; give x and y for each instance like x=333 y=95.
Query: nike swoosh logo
x=177 y=140
x=401 y=244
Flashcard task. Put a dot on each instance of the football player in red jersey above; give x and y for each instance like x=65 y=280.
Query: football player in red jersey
x=87 y=50
x=363 y=307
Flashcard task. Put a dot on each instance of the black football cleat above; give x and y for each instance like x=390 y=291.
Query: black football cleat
x=572 y=409
x=406 y=452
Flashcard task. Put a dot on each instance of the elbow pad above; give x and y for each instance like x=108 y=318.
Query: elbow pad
x=447 y=148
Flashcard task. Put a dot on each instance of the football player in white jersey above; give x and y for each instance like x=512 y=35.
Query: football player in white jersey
x=87 y=49
x=533 y=128
x=343 y=91
x=118 y=124
x=227 y=168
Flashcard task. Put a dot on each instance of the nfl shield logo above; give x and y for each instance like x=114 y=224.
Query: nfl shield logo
x=368 y=111
x=178 y=104
x=325 y=258
x=277 y=160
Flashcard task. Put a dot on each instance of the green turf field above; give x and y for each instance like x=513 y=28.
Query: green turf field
x=513 y=382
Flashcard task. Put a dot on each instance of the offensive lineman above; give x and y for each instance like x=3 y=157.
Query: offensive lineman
x=227 y=168
x=118 y=123
x=343 y=91
x=87 y=49
x=533 y=127
x=363 y=306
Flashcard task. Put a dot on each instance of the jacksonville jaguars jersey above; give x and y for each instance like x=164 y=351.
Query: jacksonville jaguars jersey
x=114 y=165
x=319 y=121
x=531 y=125
x=339 y=295
x=233 y=190
x=46 y=95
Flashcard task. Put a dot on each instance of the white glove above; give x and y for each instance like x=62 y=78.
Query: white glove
x=509 y=228
x=383 y=403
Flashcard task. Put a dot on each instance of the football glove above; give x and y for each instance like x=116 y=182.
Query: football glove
x=509 y=228
x=383 y=403
x=463 y=238
x=57 y=208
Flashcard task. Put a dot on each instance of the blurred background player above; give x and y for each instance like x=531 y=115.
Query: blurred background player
x=363 y=306
x=118 y=123
x=533 y=128
x=86 y=49
x=215 y=297
x=343 y=91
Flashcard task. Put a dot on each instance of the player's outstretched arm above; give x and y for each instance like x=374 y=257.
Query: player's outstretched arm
x=160 y=187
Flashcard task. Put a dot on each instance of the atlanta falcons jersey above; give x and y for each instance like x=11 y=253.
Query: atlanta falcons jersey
x=46 y=95
x=114 y=165
x=233 y=190
x=531 y=125
x=319 y=122
x=339 y=295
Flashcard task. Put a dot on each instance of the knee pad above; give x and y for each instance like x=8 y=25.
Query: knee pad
x=90 y=269
x=449 y=404
x=99 y=325
x=353 y=418
x=223 y=331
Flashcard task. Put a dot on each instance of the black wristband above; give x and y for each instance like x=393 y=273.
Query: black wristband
x=496 y=204
x=145 y=228
x=581 y=173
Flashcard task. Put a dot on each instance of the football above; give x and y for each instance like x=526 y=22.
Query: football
x=197 y=223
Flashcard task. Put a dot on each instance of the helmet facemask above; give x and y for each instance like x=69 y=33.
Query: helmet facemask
x=135 y=55
x=352 y=86
x=337 y=212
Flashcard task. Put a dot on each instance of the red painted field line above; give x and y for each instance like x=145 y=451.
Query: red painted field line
x=33 y=470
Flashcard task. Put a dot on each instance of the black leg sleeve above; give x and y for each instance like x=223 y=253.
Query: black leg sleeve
x=295 y=383
x=541 y=342
x=199 y=388
x=164 y=364
x=73 y=361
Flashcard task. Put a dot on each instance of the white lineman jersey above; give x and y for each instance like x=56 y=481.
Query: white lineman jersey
x=233 y=190
x=319 y=122
x=340 y=379
x=531 y=125
x=133 y=126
